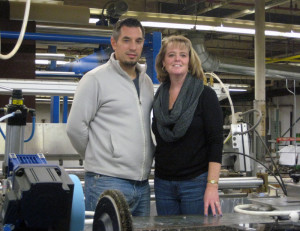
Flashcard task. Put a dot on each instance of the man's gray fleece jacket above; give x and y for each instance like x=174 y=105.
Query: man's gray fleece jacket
x=109 y=125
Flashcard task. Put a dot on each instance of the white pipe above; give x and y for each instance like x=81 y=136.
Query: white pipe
x=233 y=119
x=241 y=209
x=89 y=213
x=22 y=33
x=7 y=116
x=227 y=93
x=89 y=221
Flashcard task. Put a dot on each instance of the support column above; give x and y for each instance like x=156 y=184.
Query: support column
x=65 y=110
x=151 y=53
x=260 y=83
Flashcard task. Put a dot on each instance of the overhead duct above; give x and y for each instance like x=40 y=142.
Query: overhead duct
x=212 y=63
x=54 y=13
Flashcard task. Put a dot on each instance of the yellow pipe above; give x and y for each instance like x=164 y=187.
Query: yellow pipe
x=291 y=59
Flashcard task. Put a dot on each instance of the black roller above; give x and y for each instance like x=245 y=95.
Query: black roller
x=112 y=213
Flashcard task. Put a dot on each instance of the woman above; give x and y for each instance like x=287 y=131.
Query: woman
x=188 y=126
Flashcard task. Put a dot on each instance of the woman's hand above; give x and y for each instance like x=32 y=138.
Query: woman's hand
x=211 y=198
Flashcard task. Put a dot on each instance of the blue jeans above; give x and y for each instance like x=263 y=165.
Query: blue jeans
x=180 y=197
x=137 y=193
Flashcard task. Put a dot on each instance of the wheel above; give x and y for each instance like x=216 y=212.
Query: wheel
x=78 y=207
x=112 y=213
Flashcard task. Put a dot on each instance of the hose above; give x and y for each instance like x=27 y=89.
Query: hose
x=272 y=160
x=290 y=127
x=32 y=130
x=241 y=209
x=7 y=116
x=233 y=119
x=227 y=93
x=252 y=128
x=227 y=138
x=272 y=173
x=22 y=33
x=2 y=133
x=4 y=118
x=12 y=114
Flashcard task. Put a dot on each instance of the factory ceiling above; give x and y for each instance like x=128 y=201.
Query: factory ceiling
x=278 y=50
x=277 y=11
x=234 y=45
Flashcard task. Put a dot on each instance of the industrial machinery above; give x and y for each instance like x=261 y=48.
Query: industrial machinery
x=290 y=159
x=42 y=196
x=35 y=195
x=112 y=213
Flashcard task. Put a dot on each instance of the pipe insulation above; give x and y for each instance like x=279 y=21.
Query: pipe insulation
x=212 y=63
x=54 y=13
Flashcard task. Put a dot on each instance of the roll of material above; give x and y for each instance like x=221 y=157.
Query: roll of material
x=240 y=182
x=54 y=13
x=233 y=182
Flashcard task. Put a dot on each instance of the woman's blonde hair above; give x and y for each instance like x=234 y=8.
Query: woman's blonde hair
x=195 y=67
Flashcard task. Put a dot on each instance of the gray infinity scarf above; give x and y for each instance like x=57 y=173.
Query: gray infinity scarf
x=173 y=124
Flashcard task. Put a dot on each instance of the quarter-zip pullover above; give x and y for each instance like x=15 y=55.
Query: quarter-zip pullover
x=109 y=123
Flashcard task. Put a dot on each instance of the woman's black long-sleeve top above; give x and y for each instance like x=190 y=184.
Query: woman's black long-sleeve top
x=188 y=157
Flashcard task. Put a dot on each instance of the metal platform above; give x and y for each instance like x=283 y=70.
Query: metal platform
x=283 y=203
x=227 y=222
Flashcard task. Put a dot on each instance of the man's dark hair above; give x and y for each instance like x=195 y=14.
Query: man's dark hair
x=129 y=22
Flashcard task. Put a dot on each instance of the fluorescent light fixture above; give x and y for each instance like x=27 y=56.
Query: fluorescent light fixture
x=291 y=34
x=232 y=85
x=93 y=20
x=272 y=33
x=234 y=30
x=54 y=55
x=221 y=28
x=54 y=73
x=203 y=27
x=237 y=89
x=48 y=62
x=168 y=25
x=42 y=62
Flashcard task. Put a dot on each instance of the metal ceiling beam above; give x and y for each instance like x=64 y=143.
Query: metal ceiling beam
x=70 y=29
x=268 y=5
x=210 y=8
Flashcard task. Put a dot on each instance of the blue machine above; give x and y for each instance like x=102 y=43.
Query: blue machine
x=36 y=195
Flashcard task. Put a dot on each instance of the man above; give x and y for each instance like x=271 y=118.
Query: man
x=109 y=122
